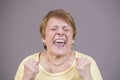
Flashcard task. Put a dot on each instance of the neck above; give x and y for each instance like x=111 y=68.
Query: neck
x=58 y=60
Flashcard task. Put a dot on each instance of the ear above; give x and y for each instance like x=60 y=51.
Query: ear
x=43 y=40
x=73 y=42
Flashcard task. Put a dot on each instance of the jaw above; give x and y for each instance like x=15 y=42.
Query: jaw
x=59 y=45
x=59 y=49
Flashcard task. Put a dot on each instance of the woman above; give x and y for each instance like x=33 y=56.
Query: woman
x=58 y=61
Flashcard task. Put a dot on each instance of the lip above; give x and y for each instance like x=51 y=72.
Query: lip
x=59 y=42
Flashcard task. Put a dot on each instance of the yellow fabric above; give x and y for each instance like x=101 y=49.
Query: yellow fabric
x=69 y=74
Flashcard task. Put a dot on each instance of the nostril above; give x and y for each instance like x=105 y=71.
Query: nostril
x=58 y=33
x=61 y=34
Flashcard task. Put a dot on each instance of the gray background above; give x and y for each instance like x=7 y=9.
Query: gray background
x=98 y=32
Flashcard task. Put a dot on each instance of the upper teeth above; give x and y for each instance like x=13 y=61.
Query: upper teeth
x=59 y=40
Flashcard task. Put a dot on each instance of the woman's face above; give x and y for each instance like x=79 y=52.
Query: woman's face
x=59 y=36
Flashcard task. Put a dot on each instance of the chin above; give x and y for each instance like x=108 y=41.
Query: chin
x=60 y=52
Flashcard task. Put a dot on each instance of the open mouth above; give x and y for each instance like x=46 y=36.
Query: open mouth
x=60 y=42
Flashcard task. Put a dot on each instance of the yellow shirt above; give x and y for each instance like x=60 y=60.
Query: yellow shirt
x=70 y=74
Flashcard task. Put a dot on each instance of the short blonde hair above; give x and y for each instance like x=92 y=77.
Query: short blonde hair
x=59 y=13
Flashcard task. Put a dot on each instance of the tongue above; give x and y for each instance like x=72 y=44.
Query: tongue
x=59 y=44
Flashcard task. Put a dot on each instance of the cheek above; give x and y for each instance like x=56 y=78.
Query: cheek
x=49 y=35
x=70 y=35
x=70 y=38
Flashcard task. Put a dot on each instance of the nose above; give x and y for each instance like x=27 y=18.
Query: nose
x=60 y=32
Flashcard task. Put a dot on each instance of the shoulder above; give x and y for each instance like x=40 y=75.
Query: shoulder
x=34 y=56
x=83 y=55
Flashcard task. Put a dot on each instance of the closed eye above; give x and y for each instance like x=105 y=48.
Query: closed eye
x=53 y=29
x=66 y=29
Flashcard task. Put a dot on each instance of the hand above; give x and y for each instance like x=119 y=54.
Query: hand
x=31 y=68
x=83 y=68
